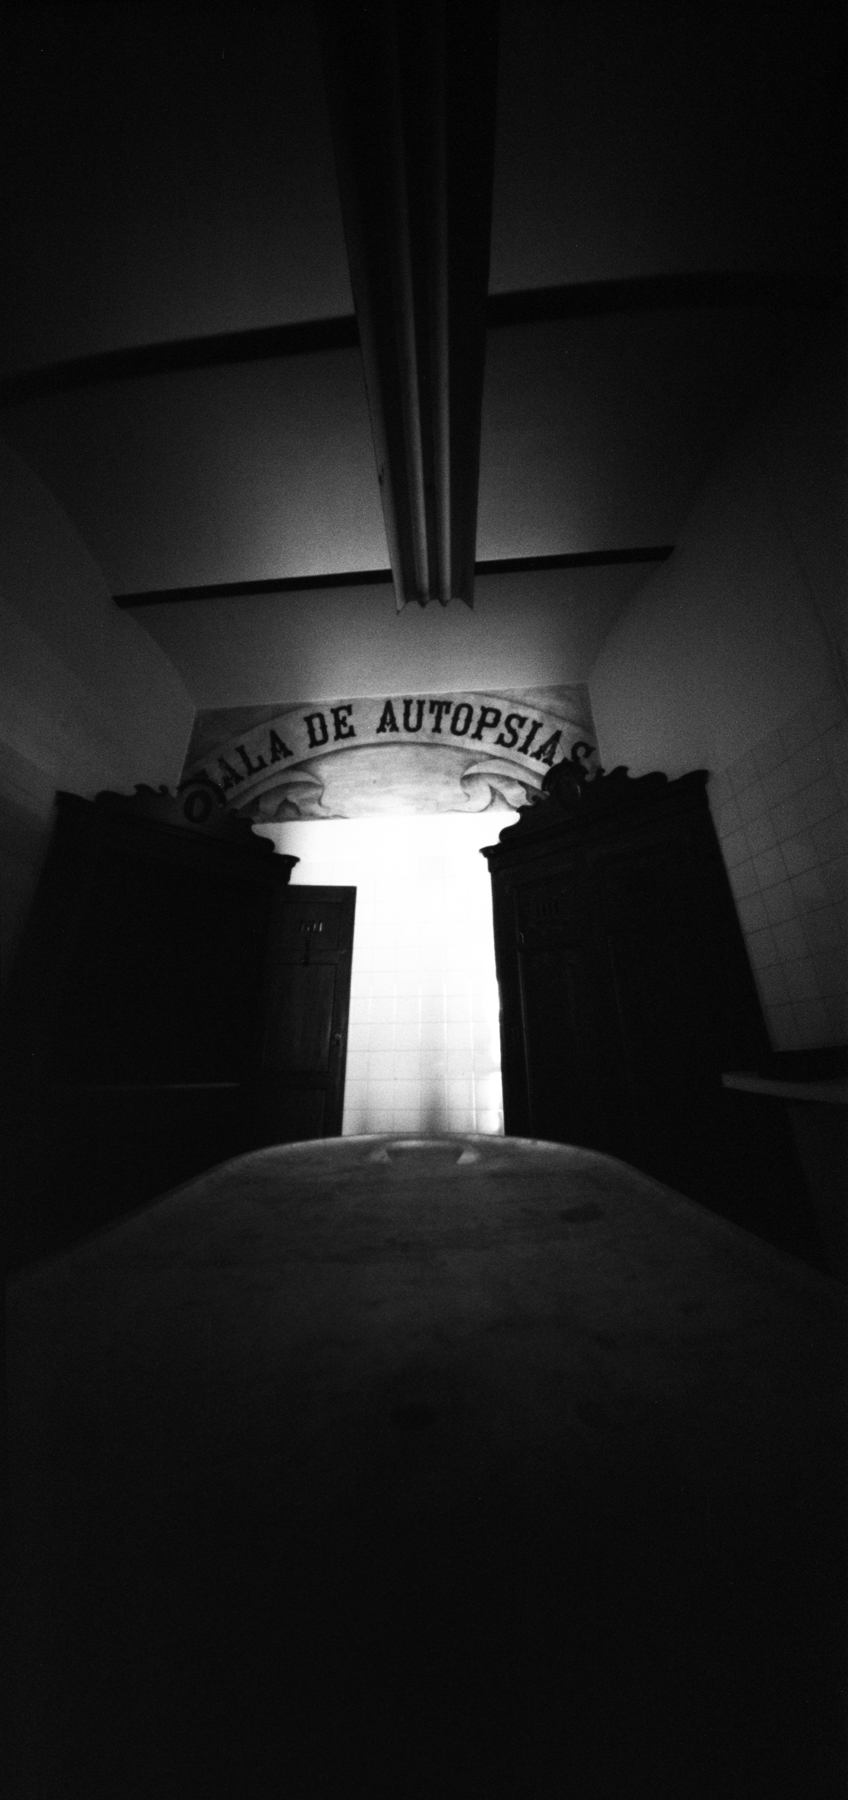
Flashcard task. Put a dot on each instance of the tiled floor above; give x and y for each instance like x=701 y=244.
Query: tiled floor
x=424 y=1045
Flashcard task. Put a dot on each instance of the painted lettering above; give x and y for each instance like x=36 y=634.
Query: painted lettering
x=513 y=723
x=459 y=730
x=203 y=794
x=279 y=751
x=547 y=751
x=342 y=727
x=202 y=778
x=537 y=726
x=489 y=718
x=477 y=719
x=230 y=777
x=252 y=768
x=314 y=723
x=198 y=805
x=407 y=715
x=388 y=722
x=440 y=707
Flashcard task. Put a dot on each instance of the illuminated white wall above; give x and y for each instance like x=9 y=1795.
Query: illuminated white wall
x=424 y=1045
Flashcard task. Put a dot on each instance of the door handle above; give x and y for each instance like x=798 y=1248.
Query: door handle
x=337 y=1037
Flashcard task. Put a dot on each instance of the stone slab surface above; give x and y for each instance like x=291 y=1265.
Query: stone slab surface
x=424 y=1467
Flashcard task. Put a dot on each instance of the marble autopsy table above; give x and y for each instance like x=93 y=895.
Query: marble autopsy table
x=434 y=1467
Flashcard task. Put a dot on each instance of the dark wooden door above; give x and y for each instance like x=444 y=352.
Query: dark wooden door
x=300 y=1083
x=557 y=1014
x=655 y=955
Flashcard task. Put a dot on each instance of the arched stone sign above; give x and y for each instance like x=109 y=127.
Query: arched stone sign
x=461 y=752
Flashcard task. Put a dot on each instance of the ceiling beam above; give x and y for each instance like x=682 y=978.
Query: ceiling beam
x=362 y=578
x=411 y=95
x=530 y=306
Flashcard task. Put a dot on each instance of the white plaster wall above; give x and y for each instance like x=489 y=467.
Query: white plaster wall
x=740 y=627
x=780 y=812
x=731 y=658
x=86 y=700
x=535 y=629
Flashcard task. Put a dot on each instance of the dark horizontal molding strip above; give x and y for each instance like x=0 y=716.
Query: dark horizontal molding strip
x=181 y=357
x=592 y=299
x=360 y=578
x=253 y=590
x=574 y=559
x=655 y=293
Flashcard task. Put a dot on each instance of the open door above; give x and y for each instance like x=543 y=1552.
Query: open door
x=300 y=1081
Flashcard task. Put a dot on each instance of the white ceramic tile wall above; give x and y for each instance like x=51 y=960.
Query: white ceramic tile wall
x=424 y=1044
x=781 y=813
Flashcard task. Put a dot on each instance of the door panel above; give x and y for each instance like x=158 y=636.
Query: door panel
x=299 y=1029
x=319 y=921
x=548 y=911
x=662 y=985
x=555 y=1045
x=299 y=1114
x=556 y=1008
x=162 y=983
x=299 y=1090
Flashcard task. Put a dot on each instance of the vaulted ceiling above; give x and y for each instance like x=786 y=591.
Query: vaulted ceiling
x=180 y=357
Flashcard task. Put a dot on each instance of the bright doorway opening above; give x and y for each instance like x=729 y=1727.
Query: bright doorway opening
x=424 y=1041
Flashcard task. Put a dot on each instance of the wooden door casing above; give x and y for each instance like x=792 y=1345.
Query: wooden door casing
x=131 y=1016
x=626 y=992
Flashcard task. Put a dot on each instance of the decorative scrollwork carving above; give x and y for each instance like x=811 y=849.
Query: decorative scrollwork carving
x=198 y=805
x=578 y=788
